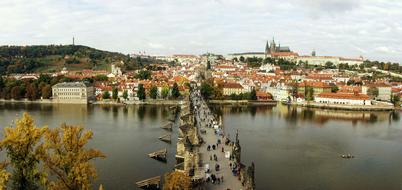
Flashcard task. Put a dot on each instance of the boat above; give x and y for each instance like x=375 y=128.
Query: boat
x=347 y=156
x=168 y=126
x=159 y=155
x=166 y=138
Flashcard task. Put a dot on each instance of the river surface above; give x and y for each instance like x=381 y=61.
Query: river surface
x=293 y=148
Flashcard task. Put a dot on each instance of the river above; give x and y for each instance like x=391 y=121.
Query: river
x=293 y=148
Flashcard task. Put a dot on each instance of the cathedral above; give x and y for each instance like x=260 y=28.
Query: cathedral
x=273 y=48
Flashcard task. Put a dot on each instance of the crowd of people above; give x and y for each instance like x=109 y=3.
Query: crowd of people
x=204 y=119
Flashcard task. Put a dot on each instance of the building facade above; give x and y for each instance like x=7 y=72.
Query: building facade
x=343 y=98
x=72 y=93
x=232 y=88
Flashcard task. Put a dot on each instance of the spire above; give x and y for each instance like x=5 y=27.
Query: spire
x=267 y=47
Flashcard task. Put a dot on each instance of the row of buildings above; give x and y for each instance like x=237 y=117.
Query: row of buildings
x=277 y=51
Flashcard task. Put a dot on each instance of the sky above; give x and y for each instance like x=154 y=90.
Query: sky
x=348 y=28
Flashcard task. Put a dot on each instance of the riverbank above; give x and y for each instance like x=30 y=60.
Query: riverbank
x=43 y=101
x=134 y=102
x=242 y=102
x=348 y=107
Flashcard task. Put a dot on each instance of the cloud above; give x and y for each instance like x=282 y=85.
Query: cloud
x=332 y=27
x=386 y=50
x=156 y=45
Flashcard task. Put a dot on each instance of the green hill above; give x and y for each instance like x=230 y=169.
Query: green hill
x=50 y=58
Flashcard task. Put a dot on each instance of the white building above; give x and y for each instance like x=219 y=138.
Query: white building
x=73 y=93
x=384 y=91
x=321 y=60
x=343 y=98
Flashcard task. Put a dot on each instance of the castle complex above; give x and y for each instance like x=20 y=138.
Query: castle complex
x=283 y=52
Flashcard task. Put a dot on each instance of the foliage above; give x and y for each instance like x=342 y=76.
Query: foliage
x=27 y=59
x=372 y=92
x=125 y=94
x=165 y=92
x=396 y=100
x=309 y=93
x=100 y=78
x=177 y=181
x=153 y=93
x=241 y=96
x=21 y=144
x=241 y=59
x=254 y=61
x=16 y=93
x=4 y=176
x=115 y=93
x=46 y=91
x=105 y=94
x=175 y=91
x=206 y=90
x=66 y=157
x=329 y=65
x=144 y=74
x=31 y=92
x=334 y=88
x=141 y=92
x=253 y=95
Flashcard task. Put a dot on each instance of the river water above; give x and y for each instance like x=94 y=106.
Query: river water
x=293 y=148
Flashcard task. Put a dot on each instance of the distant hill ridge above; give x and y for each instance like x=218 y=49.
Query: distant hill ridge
x=50 y=58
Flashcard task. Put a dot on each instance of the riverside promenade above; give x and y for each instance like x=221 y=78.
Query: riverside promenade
x=219 y=155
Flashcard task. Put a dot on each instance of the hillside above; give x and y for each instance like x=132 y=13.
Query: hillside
x=50 y=58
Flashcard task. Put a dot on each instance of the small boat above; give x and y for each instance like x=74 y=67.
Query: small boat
x=168 y=126
x=159 y=155
x=347 y=156
x=166 y=138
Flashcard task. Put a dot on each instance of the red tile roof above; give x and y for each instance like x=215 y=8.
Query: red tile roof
x=349 y=96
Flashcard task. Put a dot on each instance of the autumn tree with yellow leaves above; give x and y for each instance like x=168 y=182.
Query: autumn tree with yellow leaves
x=67 y=158
x=21 y=144
x=61 y=152
x=177 y=181
x=4 y=175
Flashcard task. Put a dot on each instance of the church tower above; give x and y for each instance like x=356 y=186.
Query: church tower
x=267 y=50
x=273 y=46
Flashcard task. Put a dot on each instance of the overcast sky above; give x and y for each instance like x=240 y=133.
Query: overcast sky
x=350 y=28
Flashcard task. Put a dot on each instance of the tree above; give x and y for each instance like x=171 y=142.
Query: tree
x=144 y=74
x=2 y=84
x=46 y=92
x=115 y=93
x=329 y=65
x=396 y=100
x=177 y=180
x=21 y=144
x=68 y=159
x=141 y=92
x=206 y=90
x=253 y=95
x=175 y=91
x=334 y=88
x=372 y=92
x=4 y=176
x=153 y=93
x=165 y=92
x=101 y=78
x=309 y=93
x=44 y=78
x=125 y=94
x=105 y=94
x=16 y=93
x=241 y=59
x=31 y=92
x=208 y=65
